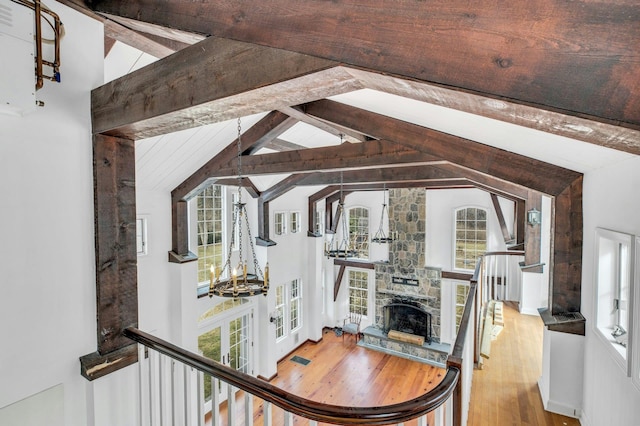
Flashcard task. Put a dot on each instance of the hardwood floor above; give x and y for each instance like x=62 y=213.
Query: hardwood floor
x=504 y=393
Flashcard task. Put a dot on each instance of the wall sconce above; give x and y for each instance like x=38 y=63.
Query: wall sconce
x=275 y=315
x=534 y=217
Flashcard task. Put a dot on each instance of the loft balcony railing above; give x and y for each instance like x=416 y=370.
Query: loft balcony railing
x=171 y=388
x=500 y=275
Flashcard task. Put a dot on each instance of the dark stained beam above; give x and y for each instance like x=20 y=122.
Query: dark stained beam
x=199 y=85
x=533 y=236
x=354 y=263
x=266 y=197
x=349 y=135
x=402 y=176
x=116 y=258
x=167 y=42
x=565 y=290
x=134 y=39
x=503 y=225
x=113 y=31
x=268 y=128
x=245 y=182
x=312 y=203
x=336 y=286
x=581 y=60
x=281 y=145
x=166 y=32
x=374 y=153
x=610 y=135
x=108 y=45
x=263 y=226
x=520 y=221
x=511 y=167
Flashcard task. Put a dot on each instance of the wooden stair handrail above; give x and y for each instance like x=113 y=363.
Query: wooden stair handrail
x=336 y=414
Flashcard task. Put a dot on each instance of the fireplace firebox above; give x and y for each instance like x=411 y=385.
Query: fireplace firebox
x=408 y=317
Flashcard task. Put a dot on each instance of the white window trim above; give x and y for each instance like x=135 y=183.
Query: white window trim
x=454 y=239
x=286 y=309
x=283 y=222
x=300 y=305
x=370 y=296
x=285 y=315
x=635 y=332
x=227 y=222
x=622 y=356
x=295 y=224
x=347 y=213
x=141 y=232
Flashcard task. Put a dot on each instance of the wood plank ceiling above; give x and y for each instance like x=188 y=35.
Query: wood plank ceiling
x=571 y=69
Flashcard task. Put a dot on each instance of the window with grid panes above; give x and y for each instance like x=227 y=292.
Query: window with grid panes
x=470 y=237
x=280 y=305
x=294 y=222
x=210 y=226
x=359 y=292
x=279 y=224
x=359 y=230
x=295 y=307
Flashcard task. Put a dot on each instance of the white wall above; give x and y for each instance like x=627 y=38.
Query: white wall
x=47 y=272
x=440 y=227
x=610 y=201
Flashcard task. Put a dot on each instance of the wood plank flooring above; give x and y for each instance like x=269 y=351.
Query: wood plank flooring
x=505 y=392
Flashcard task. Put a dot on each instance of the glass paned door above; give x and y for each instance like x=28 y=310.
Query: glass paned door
x=228 y=342
x=238 y=356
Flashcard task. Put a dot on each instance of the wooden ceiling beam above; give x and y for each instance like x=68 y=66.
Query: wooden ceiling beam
x=488 y=160
x=199 y=85
x=265 y=130
x=375 y=153
x=349 y=135
x=578 y=61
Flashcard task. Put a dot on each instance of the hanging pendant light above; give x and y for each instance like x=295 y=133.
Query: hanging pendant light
x=240 y=282
x=380 y=236
x=344 y=247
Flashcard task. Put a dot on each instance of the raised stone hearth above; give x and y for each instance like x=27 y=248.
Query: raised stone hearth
x=428 y=353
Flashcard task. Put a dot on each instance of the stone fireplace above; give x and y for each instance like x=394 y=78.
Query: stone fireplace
x=404 y=279
x=407 y=317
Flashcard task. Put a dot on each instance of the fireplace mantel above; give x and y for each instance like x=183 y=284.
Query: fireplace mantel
x=404 y=294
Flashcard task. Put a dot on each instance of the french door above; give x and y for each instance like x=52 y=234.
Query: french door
x=228 y=341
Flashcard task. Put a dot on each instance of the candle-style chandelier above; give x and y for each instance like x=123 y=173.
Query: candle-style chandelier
x=345 y=247
x=240 y=282
x=380 y=236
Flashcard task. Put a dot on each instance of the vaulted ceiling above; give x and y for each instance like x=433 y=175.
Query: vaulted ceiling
x=514 y=97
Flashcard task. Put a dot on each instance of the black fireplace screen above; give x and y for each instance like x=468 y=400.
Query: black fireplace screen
x=407 y=318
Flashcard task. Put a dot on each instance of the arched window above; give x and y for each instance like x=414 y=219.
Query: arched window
x=359 y=230
x=470 y=237
x=210 y=225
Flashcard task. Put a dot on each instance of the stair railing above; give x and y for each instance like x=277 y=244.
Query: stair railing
x=501 y=275
x=172 y=378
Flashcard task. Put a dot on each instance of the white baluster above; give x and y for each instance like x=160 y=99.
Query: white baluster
x=200 y=397
x=248 y=409
x=267 y=414
x=288 y=419
x=231 y=405
x=313 y=423
x=144 y=407
x=154 y=387
x=215 y=401
x=422 y=420
x=172 y=406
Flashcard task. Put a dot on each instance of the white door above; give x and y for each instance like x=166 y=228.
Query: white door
x=228 y=341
